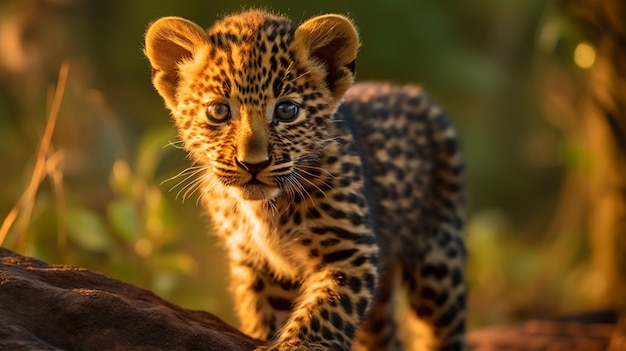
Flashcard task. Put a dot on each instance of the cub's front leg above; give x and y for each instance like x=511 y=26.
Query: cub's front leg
x=335 y=295
x=262 y=302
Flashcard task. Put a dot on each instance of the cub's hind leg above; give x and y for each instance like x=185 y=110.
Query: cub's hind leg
x=379 y=332
x=436 y=287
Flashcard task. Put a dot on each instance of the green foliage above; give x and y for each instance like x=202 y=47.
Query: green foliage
x=87 y=231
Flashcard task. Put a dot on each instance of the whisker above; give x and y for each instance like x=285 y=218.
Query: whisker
x=295 y=186
x=188 y=172
x=307 y=172
x=310 y=182
x=318 y=169
x=191 y=183
x=331 y=141
x=194 y=184
x=272 y=206
x=287 y=71
x=192 y=187
x=212 y=183
x=175 y=144
x=300 y=189
x=303 y=74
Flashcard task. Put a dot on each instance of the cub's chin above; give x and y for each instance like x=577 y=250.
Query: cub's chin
x=258 y=192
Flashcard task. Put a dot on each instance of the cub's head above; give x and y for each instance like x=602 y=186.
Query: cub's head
x=253 y=96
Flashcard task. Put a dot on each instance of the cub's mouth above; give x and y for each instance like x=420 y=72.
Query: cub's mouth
x=254 y=183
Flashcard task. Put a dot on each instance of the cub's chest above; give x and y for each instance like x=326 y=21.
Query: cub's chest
x=257 y=235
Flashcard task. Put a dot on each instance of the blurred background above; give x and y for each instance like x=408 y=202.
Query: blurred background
x=536 y=89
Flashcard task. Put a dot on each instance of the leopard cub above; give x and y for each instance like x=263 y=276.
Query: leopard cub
x=328 y=196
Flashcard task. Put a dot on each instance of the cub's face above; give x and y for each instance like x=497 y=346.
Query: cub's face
x=252 y=97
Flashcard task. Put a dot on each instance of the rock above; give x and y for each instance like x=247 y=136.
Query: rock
x=595 y=331
x=54 y=307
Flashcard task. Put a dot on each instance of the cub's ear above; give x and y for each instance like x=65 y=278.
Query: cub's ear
x=169 y=40
x=333 y=41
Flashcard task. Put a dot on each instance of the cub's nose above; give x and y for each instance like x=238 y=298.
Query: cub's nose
x=254 y=168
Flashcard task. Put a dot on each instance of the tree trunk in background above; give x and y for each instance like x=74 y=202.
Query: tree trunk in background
x=604 y=121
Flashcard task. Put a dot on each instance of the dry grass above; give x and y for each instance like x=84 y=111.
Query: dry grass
x=48 y=164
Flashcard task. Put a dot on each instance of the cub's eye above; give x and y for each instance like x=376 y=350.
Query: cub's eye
x=286 y=111
x=218 y=112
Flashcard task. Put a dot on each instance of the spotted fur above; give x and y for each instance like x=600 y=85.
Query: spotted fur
x=323 y=193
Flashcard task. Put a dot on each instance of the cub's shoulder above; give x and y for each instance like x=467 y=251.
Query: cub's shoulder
x=374 y=100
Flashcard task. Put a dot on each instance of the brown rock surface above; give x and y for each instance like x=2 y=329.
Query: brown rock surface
x=52 y=307
x=598 y=331
x=48 y=307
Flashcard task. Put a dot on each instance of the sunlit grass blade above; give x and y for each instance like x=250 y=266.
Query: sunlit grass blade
x=26 y=203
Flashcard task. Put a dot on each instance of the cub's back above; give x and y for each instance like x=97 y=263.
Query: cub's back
x=412 y=161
